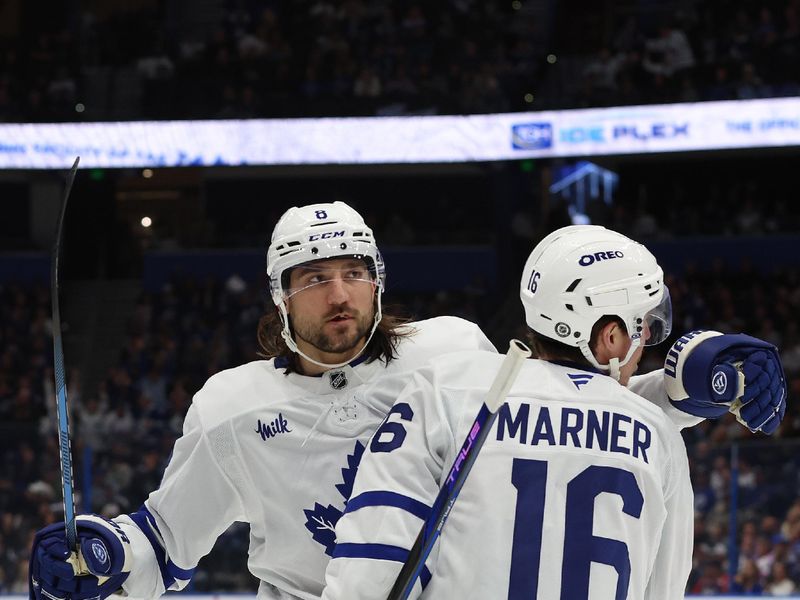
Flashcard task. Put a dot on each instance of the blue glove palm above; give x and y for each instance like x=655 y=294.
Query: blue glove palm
x=97 y=571
x=763 y=403
x=708 y=374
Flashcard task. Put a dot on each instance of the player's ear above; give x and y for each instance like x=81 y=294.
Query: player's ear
x=610 y=342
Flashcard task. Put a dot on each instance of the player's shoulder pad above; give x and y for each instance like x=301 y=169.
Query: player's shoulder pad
x=442 y=335
x=231 y=392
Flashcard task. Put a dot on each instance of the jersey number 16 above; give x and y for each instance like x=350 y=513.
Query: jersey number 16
x=581 y=547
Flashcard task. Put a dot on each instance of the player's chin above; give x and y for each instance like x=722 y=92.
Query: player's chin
x=343 y=341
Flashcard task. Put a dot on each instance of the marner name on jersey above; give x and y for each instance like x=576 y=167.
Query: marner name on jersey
x=574 y=427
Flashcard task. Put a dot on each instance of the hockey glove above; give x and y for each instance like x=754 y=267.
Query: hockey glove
x=102 y=564
x=708 y=373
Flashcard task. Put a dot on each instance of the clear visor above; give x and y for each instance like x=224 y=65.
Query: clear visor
x=351 y=273
x=658 y=321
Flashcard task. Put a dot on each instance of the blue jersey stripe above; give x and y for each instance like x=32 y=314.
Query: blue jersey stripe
x=374 y=551
x=415 y=507
x=379 y=552
x=178 y=573
x=169 y=570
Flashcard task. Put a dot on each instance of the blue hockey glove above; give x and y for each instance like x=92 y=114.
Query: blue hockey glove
x=708 y=373
x=99 y=568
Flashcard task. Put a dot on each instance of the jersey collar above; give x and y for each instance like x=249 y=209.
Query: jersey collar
x=334 y=381
x=574 y=365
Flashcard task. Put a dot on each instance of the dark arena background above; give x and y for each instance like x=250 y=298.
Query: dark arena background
x=674 y=122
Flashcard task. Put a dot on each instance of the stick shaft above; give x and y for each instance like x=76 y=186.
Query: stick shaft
x=67 y=485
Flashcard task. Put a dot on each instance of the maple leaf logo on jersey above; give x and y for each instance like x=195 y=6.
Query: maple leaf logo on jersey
x=321 y=520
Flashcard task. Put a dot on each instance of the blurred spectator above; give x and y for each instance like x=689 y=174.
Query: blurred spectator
x=669 y=54
x=780 y=584
x=333 y=59
x=747 y=579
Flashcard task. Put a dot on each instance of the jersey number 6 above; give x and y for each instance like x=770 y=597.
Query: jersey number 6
x=391 y=434
x=581 y=548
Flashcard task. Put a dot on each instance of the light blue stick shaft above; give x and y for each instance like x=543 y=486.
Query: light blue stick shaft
x=60 y=380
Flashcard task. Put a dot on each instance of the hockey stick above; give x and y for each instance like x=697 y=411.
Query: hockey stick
x=61 y=386
x=517 y=353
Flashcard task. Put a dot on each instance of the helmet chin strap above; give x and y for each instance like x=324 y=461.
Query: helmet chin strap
x=614 y=365
x=286 y=334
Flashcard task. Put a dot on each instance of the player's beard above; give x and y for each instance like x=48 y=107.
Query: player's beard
x=313 y=332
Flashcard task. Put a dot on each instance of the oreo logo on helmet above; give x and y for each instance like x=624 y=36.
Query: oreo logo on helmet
x=590 y=259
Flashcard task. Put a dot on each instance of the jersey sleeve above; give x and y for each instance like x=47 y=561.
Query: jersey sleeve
x=673 y=560
x=178 y=524
x=397 y=483
x=650 y=386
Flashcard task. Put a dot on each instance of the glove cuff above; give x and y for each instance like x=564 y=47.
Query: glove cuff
x=678 y=377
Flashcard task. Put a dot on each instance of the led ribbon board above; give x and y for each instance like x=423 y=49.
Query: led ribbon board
x=431 y=139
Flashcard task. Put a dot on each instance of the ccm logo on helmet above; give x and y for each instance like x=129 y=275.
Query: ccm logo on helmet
x=588 y=259
x=325 y=236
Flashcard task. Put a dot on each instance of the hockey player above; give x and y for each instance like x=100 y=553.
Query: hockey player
x=582 y=487
x=275 y=442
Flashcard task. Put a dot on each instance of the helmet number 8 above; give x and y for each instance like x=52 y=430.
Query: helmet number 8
x=321 y=214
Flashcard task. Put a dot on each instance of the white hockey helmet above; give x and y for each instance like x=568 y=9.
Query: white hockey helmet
x=315 y=232
x=580 y=273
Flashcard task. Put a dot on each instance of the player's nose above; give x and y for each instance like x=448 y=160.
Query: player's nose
x=337 y=291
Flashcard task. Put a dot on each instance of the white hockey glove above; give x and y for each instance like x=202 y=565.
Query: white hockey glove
x=708 y=373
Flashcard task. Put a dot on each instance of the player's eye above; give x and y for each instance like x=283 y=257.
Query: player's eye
x=358 y=273
x=312 y=277
x=322 y=277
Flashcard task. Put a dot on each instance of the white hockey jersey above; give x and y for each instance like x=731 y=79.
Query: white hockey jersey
x=276 y=451
x=580 y=492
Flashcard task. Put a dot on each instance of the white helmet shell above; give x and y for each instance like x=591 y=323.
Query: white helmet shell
x=578 y=274
x=315 y=232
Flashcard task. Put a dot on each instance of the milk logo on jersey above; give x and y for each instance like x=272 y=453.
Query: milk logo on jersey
x=719 y=382
x=337 y=379
x=580 y=379
x=275 y=427
x=321 y=520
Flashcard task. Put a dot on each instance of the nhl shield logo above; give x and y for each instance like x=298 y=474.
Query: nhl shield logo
x=338 y=380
